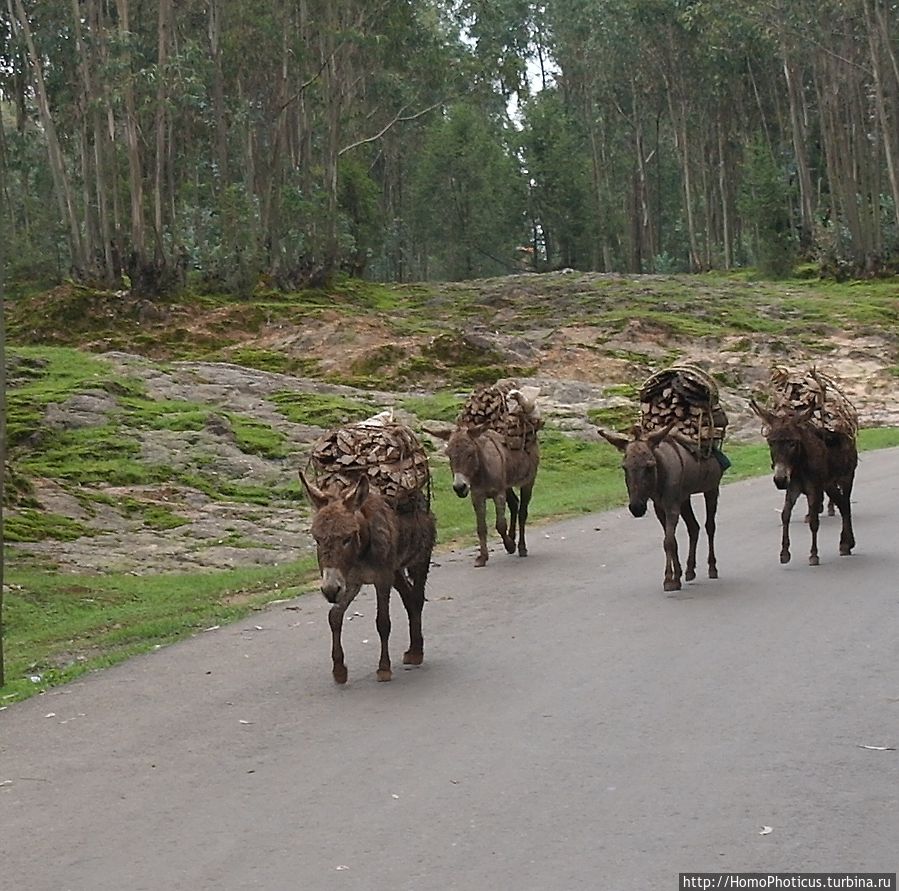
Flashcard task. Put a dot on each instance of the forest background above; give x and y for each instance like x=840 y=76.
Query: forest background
x=151 y=144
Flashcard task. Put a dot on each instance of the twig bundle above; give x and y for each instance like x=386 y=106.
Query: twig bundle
x=798 y=391
x=506 y=408
x=387 y=452
x=687 y=397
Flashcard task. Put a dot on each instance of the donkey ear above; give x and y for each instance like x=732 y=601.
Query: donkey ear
x=762 y=413
x=616 y=439
x=657 y=436
x=355 y=498
x=316 y=496
x=475 y=431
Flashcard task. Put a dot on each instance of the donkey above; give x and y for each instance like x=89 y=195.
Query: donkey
x=661 y=467
x=361 y=539
x=811 y=462
x=484 y=466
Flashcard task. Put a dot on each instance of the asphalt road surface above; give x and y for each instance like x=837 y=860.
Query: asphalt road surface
x=573 y=727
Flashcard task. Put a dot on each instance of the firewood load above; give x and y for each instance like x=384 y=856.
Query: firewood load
x=798 y=391
x=687 y=397
x=507 y=408
x=386 y=451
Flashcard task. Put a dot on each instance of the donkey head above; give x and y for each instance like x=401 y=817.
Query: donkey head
x=639 y=464
x=339 y=531
x=463 y=454
x=784 y=433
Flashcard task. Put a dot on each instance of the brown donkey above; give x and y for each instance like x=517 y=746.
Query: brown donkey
x=811 y=462
x=361 y=539
x=662 y=468
x=484 y=466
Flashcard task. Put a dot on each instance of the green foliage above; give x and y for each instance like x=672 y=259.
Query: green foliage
x=764 y=199
x=470 y=198
x=556 y=156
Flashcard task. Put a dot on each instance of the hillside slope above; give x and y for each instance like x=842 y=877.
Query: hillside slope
x=157 y=436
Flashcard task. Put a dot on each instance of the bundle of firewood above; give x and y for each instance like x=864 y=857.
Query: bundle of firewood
x=687 y=397
x=798 y=391
x=389 y=453
x=507 y=408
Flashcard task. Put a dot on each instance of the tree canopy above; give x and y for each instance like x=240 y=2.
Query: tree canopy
x=150 y=143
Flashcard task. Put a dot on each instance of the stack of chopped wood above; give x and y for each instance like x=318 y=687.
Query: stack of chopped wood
x=797 y=391
x=687 y=397
x=389 y=453
x=507 y=408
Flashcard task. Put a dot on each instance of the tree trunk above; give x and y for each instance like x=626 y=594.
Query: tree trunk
x=57 y=163
x=161 y=127
x=138 y=260
x=218 y=92
x=886 y=125
x=800 y=147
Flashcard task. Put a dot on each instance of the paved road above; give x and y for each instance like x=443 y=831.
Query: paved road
x=573 y=728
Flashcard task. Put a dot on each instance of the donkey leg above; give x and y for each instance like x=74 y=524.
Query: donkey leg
x=513 y=502
x=785 y=514
x=686 y=511
x=335 y=620
x=479 y=502
x=841 y=494
x=499 y=505
x=382 y=623
x=815 y=507
x=523 y=518
x=711 y=509
x=668 y=519
x=414 y=600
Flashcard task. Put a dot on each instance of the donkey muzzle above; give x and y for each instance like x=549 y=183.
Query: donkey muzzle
x=781 y=476
x=637 y=508
x=460 y=485
x=331 y=584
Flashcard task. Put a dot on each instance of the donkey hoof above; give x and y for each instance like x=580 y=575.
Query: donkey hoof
x=481 y=560
x=784 y=556
x=522 y=552
x=410 y=658
x=340 y=674
x=689 y=575
x=813 y=560
x=846 y=550
x=385 y=674
x=672 y=585
x=509 y=545
x=713 y=572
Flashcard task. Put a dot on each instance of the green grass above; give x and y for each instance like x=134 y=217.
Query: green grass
x=29 y=524
x=444 y=406
x=321 y=410
x=60 y=626
x=48 y=375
